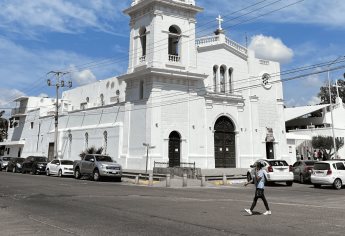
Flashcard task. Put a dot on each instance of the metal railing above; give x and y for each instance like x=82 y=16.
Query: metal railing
x=18 y=111
x=174 y=58
x=166 y=164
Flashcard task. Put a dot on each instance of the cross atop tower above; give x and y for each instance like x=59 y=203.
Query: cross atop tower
x=220 y=20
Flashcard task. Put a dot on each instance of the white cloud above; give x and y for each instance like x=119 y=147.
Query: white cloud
x=82 y=77
x=269 y=48
x=44 y=95
x=313 y=81
x=26 y=69
x=6 y=98
x=314 y=100
x=317 y=12
x=28 y=17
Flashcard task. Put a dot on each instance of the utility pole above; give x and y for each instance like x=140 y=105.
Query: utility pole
x=331 y=105
x=59 y=83
x=148 y=147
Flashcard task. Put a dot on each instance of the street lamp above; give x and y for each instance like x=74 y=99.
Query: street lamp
x=330 y=103
x=148 y=147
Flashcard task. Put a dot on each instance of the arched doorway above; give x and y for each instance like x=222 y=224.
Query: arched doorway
x=224 y=143
x=174 y=149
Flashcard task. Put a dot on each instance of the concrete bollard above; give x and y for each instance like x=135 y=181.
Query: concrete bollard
x=136 y=179
x=225 y=181
x=168 y=181
x=150 y=179
x=203 y=181
x=184 y=180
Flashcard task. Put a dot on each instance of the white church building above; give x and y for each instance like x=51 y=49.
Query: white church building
x=206 y=100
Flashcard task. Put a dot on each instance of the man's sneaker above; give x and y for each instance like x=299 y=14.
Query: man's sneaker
x=267 y=213
x=249 y=211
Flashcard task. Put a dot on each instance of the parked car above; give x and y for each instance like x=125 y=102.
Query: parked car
x=15 y=165
x=60 y=167
x=331 y=172
x=4 y=162
x=277 y=171
x=34 y=165
x=97 y=166
x=302 y=170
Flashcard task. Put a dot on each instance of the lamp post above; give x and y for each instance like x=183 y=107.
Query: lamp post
x=148 y=147
x=330 y=103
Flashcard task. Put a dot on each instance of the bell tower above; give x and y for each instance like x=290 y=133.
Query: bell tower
x=162 y=35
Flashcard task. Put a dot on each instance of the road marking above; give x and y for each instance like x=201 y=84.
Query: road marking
x=53 y=226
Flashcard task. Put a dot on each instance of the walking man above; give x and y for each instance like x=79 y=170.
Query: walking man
x=260 y=178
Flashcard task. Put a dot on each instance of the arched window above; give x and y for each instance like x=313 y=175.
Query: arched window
x=215 y=68
x=69 y=144
x=231 y=71
x=105 y=142
x=86 y=140
x=142 y=35
x=174 y=43
x=102 y=99
x=141 y=89
x=222 y=79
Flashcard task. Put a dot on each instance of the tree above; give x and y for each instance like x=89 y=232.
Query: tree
x=3 y=127
x=324 y=92
x=91 y=150
x=325 y=144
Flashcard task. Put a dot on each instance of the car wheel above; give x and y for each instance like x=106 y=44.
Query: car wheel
x=317 y=185
x=77 y=174
x=47 y=172
x=60 y=173
x=96 y=176
x=289 y=183
x=14 y=170
x=249 y=177
x=337 y=184
x=301 y=179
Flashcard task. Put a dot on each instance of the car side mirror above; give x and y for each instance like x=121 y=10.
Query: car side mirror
x=58 y=164
x=251 y=166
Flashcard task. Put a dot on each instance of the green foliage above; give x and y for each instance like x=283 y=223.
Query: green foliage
x=324 y=92
x=91 y=150
x=325 y=144
x=3 y=127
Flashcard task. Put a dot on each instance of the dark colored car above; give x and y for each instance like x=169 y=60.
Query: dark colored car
x=4 y=161
x=302 y=170
x=15 y=165
x=34 y=165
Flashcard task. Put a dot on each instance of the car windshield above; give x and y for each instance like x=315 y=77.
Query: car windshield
x=20 y=160
x=42 y=159
x=6 y=158
x=278 y=163
x=321 y=166
x=66 y=162
x=104 y=158
x=309 y=163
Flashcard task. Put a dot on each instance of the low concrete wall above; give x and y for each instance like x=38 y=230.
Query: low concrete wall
x=178 y=171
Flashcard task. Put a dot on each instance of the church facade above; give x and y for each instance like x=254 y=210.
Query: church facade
x=206 y=100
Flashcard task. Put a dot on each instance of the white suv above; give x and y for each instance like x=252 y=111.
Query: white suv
x=331 y=172
x=277 y=171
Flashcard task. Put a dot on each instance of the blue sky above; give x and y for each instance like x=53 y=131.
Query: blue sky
x=43 y=35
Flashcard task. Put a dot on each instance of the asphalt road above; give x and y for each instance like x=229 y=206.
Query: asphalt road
x=40 y=205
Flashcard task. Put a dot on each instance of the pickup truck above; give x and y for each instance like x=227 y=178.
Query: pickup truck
x=97 y=166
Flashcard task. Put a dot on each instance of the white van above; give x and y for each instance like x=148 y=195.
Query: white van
x=331 y=172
